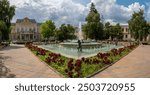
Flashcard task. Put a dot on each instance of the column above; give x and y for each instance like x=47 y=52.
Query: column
x=29 y=36
x=33 y=36
x=25 y=36
x=20 y=36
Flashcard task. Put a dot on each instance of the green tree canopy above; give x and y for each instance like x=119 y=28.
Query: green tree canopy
x=107 y=28
x=113 y=31
x=48 y=29
x=3 y=27
x=59 y=35
x=6 y=14
x=138 y=26
x=94 y=28
x=65 y=32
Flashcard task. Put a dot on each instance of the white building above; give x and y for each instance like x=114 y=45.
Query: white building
x=25 y=30
x=126 y=32
x=127 y=35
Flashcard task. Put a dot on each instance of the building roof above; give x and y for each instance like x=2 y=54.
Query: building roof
x=124 y=25
x=26 y=18
x=39 y=24
x=13 y=24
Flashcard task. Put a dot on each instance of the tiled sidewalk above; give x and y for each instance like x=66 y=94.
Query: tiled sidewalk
x=134 y=65
x=24 y=64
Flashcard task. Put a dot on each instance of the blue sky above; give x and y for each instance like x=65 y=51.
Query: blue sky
x=122 y=2
x=75 y=11
x=83 y=1
x=129 y=2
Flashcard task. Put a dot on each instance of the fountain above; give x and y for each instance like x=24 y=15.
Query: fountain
x=84 y=43
x=76 y=49
x=80 y=34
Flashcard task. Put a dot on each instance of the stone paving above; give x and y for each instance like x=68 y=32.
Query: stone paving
x=23 y=64
x=134 y=65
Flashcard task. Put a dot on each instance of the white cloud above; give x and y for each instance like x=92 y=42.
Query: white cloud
x=61 y=11
x=148 y=11
x=68 y=11
x=116 y=13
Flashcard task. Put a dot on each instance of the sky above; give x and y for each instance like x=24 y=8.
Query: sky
x=128 y=2
x=75 y=11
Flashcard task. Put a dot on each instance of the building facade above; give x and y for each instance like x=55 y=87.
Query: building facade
x=126 y=32
x=127 y=35
x=25 y=30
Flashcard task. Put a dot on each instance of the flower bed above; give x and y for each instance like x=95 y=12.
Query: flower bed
x=81 y=67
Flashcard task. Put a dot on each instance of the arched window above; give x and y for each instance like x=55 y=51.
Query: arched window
x=17 y=29
x=22 y=29
x=27 y=29
x=34 y=29
x=30 y=29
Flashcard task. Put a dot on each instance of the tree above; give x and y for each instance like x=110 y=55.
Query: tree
x=48 y=29
x=113 y=31
x=85 y=30
x=117 y=32
x=146 y=31
x=6 y=14
x=94 y=28
x=138 y=26
x=3 y=27
x=107 y=28
x=59 y=35
x=65 y=32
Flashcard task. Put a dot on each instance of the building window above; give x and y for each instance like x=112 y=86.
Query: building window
x=21 y=29
x=126 y=36
x=126 y=29
x=27 y=29
x=33 y=29
x=31 y=36
x=23 y=37
x=17 y=29
x=30 y=30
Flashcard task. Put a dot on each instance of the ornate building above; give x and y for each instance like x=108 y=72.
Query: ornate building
x=25 y=30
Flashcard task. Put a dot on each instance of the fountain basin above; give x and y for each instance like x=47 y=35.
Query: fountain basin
x=84 y=45
x=74 y=53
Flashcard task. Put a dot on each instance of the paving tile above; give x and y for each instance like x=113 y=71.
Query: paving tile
x=134 y=65
x=24 y=64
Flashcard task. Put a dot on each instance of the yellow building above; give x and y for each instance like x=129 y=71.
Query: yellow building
x=25 y=30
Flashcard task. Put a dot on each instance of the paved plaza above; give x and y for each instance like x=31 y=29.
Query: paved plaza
x=23 y=64
x=134 y=65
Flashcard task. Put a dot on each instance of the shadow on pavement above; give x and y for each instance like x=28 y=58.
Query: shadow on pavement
x=12 y=47
x=4 y=71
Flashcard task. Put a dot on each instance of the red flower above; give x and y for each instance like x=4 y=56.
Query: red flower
x=83 y=59
x=114 y=51
x=70 y=74
x=78 y=63
x=106 y=60
x=70 y=66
